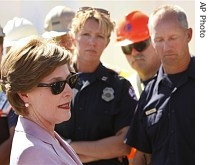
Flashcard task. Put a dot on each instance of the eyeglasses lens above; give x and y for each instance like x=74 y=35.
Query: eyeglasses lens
x=72 y=80
x=58 y=87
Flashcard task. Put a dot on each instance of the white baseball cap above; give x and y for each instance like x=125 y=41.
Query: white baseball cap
x=16 y=29
x=59 y=19
x=52 y=34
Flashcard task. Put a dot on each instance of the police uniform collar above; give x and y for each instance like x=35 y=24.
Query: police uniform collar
x=189 y=73
x=191 y=68
x=147 y=81
x=160 y=75
x=102 y=73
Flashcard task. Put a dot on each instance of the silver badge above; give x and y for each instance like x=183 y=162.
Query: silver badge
x=108 y=94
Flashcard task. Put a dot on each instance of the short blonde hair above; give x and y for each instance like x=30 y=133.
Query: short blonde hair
x=105 y=23
x=26 y=64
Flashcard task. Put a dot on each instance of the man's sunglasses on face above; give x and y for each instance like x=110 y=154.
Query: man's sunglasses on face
x=139 y=46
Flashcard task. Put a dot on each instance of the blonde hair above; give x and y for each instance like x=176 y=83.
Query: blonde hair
x=26 y=64
x=105 y=23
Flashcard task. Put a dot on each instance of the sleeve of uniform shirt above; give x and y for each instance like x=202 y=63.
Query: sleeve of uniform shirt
x=137 y=136
x=12 y=118
x=126 y=105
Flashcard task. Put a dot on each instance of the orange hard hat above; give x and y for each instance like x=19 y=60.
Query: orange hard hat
x=133 y=28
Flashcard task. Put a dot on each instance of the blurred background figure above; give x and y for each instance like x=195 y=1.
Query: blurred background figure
x=1 y=40
x=8 y=119
x=133 y=37
x=57 y=26
x=16 y=29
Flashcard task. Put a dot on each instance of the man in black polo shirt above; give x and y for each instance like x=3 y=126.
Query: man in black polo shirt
x=164 y=124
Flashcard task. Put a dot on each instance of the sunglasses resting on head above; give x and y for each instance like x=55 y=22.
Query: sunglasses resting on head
x=58 y=87
x=92 y=8
x=139 y=46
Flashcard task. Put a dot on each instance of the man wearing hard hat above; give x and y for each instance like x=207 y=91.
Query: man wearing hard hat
x=133 y=37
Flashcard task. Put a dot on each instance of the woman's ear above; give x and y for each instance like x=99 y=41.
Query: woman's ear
x=23 y=96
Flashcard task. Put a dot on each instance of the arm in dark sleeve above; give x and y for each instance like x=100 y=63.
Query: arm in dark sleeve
x=5 y=147
x=137 y=136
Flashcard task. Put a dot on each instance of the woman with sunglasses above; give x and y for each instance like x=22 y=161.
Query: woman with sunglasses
x=104 y=103
x=38 y=82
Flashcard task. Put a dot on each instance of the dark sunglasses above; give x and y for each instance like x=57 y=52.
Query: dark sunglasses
x=139 y=46
x=98 y=9
x=58 y=87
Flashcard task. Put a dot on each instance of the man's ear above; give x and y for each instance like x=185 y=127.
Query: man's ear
x=189 y=34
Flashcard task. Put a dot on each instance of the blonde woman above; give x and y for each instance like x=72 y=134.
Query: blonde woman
x=104 y=102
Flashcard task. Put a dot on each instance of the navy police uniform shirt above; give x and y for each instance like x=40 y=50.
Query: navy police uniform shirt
x=103 y=104
x=164 y=123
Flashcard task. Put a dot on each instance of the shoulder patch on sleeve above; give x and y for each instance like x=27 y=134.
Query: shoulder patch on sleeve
x=132 y=93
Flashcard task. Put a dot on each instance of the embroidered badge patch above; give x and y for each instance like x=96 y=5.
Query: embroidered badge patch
x=108 y=94
x=132 y=93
